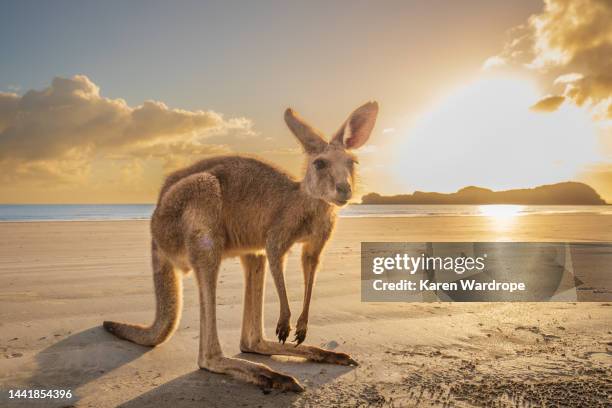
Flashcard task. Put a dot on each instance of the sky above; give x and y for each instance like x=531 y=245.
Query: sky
x=99 y=100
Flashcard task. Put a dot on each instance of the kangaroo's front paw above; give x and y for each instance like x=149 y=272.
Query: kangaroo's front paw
x=300 y=331
x=283 y=328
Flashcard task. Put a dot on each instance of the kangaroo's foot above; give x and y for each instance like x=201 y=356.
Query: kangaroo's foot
x=254 y=373
x=300 y=330
x=313 y=353
x=283 y=327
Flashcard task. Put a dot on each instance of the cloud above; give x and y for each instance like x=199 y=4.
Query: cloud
x=71 y=115
x=570 y=42
x=71 y=169
x=54 y=134
x=8 y=108
x=175 y=154
x=548 y=104
x=494 y=62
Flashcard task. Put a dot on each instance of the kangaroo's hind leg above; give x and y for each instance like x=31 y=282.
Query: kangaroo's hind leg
x=168 y=294
x=204 y=240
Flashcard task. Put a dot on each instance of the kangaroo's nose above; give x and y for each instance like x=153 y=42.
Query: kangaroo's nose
x=344 y=189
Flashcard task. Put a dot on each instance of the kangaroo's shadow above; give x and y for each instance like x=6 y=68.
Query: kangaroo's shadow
x=81 y=358
x=88 y=355
x=203 y=388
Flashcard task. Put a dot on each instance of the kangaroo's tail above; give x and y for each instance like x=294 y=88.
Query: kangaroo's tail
x=168 y=293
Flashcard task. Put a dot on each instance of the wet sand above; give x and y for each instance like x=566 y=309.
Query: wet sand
x=60 y=280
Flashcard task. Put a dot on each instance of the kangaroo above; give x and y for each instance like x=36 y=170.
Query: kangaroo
x=235 y=206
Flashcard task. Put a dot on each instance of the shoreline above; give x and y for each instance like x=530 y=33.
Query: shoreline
x=367 y=216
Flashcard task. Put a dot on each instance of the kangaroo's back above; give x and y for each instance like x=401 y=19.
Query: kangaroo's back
x=238 y=175
x=254 y=196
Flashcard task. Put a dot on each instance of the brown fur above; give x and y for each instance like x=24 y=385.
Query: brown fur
x=239 y=206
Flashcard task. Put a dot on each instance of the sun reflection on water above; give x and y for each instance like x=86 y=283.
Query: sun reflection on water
x=501 y=211
x=502 y=216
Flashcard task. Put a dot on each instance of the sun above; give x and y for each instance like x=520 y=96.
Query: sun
x=484 y=134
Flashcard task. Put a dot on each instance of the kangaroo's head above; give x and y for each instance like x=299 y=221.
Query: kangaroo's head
x=330 y=171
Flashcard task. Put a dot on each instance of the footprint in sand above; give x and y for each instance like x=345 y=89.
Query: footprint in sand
x=331 y=345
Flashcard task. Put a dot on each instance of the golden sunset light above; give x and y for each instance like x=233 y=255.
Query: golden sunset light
x=486 y=133
x=290 y=204
x=517 y=99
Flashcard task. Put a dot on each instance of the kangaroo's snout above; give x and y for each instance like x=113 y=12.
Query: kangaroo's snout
x=344 y=191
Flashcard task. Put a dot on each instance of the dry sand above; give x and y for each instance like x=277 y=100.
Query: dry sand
x=59 y=280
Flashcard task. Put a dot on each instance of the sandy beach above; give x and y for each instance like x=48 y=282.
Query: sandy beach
x=60 y=280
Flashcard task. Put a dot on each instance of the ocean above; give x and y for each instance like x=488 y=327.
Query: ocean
x=116 y=212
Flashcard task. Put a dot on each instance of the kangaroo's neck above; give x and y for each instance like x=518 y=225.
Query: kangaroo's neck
x=314 y=204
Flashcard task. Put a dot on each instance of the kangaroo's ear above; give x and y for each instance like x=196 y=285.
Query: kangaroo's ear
x=309 y=137
x=358 y=127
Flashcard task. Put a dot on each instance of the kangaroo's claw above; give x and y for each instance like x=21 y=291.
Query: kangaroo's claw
x=300 y=336
x=282 y=331
x=279 y=381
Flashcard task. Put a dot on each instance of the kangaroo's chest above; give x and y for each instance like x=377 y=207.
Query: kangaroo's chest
x=251 y=233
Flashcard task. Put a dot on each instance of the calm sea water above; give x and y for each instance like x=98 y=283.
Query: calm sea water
x=103 y=212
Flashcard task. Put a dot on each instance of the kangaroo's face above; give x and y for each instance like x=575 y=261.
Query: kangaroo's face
x=330 y=171
x=331 y=175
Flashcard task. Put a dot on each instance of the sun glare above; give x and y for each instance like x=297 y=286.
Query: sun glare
x=500 y=211
x=502 y=218
x=484 y=134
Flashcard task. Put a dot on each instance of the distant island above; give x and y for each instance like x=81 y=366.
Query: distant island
x=567 y=193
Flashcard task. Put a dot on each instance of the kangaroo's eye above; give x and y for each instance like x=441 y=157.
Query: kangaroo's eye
x=319 y=164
